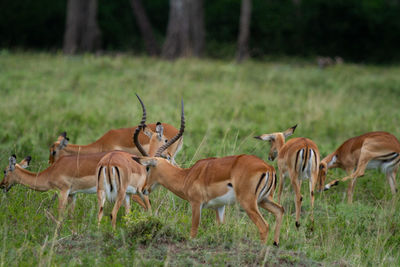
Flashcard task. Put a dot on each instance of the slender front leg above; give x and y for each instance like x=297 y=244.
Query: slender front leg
x=220 y=214
x=72 y=202
x=196 y=215
x=139 y=200
x=127 y=204
x=62 y=202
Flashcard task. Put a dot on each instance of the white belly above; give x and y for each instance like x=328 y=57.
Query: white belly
x=227 y=199
x=91 y=190
x=382 y=166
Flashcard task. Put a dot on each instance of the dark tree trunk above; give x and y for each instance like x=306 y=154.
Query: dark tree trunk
x=185 y=31
x=82 y=33
x=198 y=31
x=145 y=28
x=244 y=31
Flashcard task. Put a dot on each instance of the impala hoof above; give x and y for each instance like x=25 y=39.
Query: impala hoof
x=276 y=244
x=297 y=225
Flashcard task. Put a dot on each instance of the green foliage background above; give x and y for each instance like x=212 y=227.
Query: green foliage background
x=225 y=106
x=356 y=30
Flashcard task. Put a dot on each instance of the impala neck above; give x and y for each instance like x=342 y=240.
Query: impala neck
x=36 y=181
x=172 y=178
x=331 y=160
x=279 y=142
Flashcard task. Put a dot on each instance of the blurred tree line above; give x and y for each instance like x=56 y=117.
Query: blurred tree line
x=357 y=30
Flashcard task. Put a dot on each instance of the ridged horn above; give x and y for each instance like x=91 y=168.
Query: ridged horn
x=176 y=137
x=140 y=127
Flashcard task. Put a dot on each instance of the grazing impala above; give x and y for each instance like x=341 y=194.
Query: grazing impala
x=298 y=158
x=69 y=175
x=116 y=139
x=216 y=182
x=119 y=176
x=374 y=150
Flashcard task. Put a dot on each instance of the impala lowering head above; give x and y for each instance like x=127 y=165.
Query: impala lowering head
x=176 y=137
x=277 y=140
x=141 y=126
x=9 y=179
x=57 y=147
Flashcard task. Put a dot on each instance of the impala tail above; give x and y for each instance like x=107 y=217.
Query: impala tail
x=109 y=180
x=306 y=161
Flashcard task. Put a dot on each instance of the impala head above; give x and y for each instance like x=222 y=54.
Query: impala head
x=57 y=147
x=157 y=139
x=154 y=165
x=277 y=140
x=9 y=178
x=323 y=170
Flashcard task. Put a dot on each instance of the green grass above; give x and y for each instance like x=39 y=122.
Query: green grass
x=225 y=106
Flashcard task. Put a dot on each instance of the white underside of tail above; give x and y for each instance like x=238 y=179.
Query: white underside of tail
x=306 y=173
x=110 y=195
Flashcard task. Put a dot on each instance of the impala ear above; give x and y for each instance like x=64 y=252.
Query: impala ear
x=63 y=143
x=25 y=162
x=289 y=131
x=266 y=137
x=159 y=131
x=12 y=161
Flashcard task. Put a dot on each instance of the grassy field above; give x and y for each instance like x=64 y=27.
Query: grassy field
x=225 y=105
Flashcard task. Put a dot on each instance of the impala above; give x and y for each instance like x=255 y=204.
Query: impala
x=298 y=158
x=216 y=182
x=116 y=139
x=69 y=175
x=374 y=150
x=120 y=176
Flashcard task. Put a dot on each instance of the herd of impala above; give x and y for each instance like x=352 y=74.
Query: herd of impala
x=126 y=164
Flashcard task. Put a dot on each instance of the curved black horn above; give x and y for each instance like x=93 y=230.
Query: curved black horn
x=176 y=137
x=140 y=127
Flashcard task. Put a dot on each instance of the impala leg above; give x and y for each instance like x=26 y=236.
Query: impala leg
x=391 y=177
x=118 y=202
x=127 y=204
x=281 y=177
x=251 y=208
x=278 y=211
x=147 y=203
x=220 y=214
x=101 y=199
x=72 y=202
x=313 y=183
x=62 y=203
x=139 y=200
x=196 y=214
x=296 y=183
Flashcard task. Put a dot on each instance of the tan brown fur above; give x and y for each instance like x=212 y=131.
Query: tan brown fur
x=213 y=178
x=115 y=139
x=298 y=158
x=356 y=153
x=121 y=171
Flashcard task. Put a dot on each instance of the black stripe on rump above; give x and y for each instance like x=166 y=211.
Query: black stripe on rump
x=305 y=160
x=119 y=177
x=388 y=155
x=259 y=182
x=391 y=158
x=270 y=185
x=297 y=157
x=315 y=158
x=98 y=176
x=109 y=179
